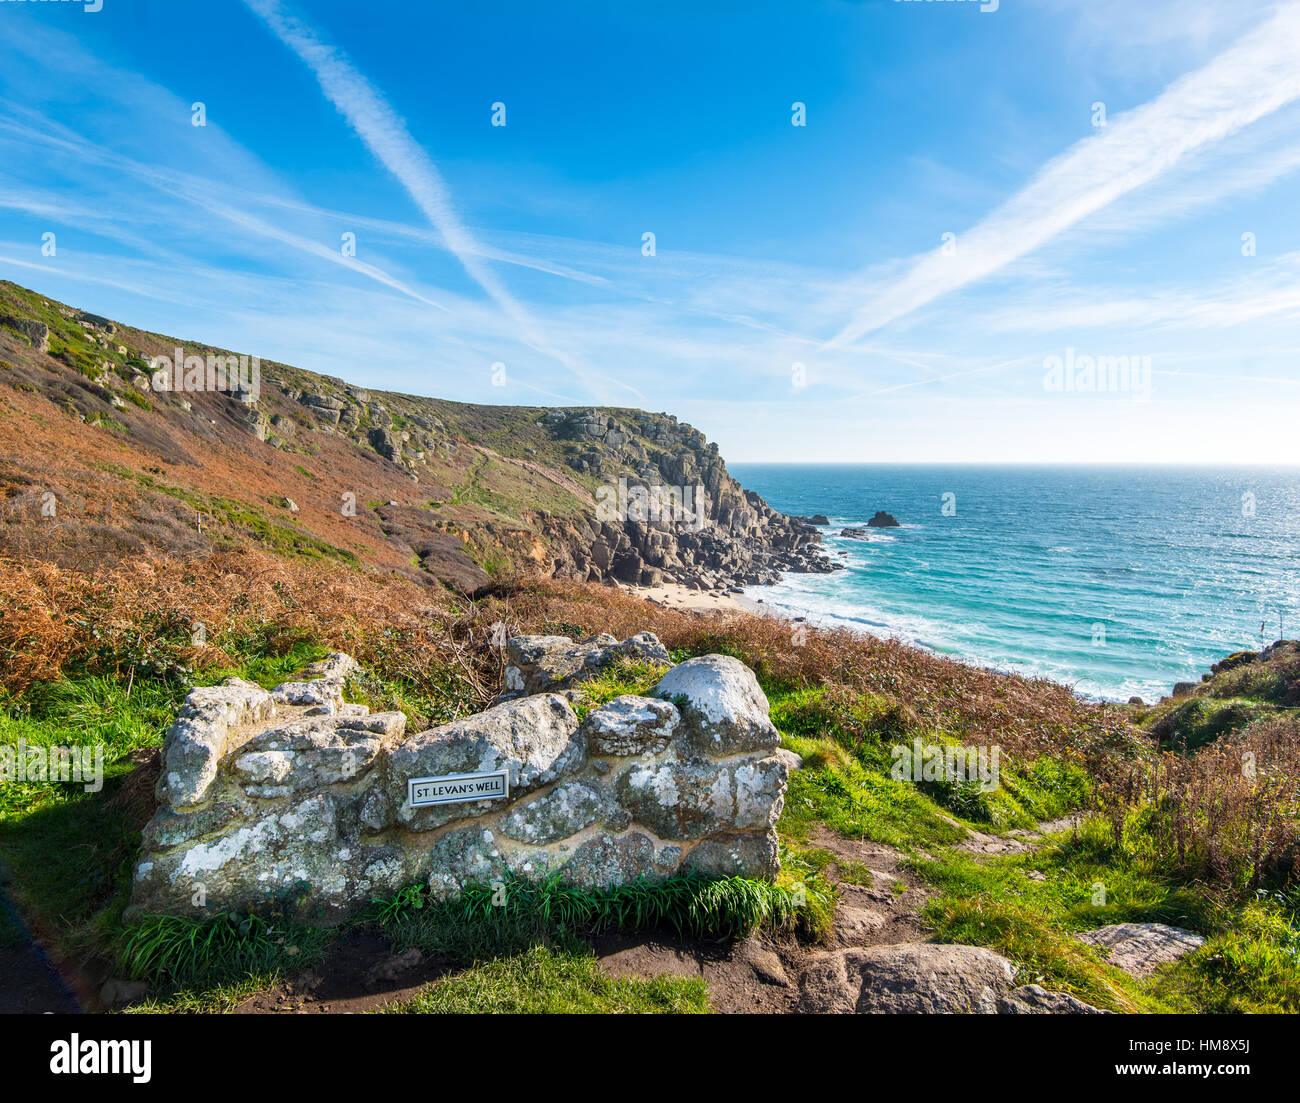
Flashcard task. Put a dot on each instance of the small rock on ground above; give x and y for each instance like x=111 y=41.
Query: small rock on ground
x=1141 y=948
x=395 y=966
x=923 y=978
x=118 y=993
x=1033 y=999
x=792 y=760
x=1018 y=841
x=766 y=965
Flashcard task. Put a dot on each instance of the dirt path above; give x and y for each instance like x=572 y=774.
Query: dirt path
x=28 y=986
x=360 y=972
x=1017 y=841
x=885 y=912
x=760 y=975
x=746 y=978
x=29 y=983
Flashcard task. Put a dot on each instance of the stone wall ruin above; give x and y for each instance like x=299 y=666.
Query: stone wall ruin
x=294 y=793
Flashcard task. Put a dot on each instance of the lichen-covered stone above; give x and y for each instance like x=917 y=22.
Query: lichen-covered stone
x=792 y=760
x=736 y=856
x=168 y=828
x=279 y=773
x=464 y=856
x=724 y=709
x=294 y=851
x=534 y=739
x=687 y=800
x=296 y=793
x=196 y=742
x=320 y=693
x=334 y=667
x=606 y=860
x=631 y=725
x=539 y=663
x=313 y=733
x=558 y=814
x=311 y=753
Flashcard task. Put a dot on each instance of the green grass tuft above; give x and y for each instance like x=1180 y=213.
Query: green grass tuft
x=484 y=919
x=542 y=981
x=625 y=675
x=174 y=951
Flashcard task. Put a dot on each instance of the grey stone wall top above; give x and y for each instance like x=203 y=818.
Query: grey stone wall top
x=539 y=663
x=724 y=704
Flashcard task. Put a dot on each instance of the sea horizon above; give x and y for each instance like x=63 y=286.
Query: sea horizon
x=733 y=465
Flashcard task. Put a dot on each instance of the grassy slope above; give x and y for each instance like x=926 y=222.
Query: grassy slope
x=70 y=855
x=1242 y=689
x=133 y=469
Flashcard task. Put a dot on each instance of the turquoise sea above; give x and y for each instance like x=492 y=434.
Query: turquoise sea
x=1119 y=581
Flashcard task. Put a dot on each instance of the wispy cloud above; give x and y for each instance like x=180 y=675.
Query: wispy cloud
x=191 y=189
x=386 y=136
x=1250 y=80
x=186 y=230
x=1258 y=290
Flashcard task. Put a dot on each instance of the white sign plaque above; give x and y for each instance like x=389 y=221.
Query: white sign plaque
x=424 y=791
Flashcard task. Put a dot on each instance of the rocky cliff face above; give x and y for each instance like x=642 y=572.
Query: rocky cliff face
x=654 y=502
x=310 y=464
x=668 y=511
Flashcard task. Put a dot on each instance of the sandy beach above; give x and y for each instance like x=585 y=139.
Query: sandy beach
x=673 y=595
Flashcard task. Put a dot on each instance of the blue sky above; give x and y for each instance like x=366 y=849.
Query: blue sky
x=800 y=305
